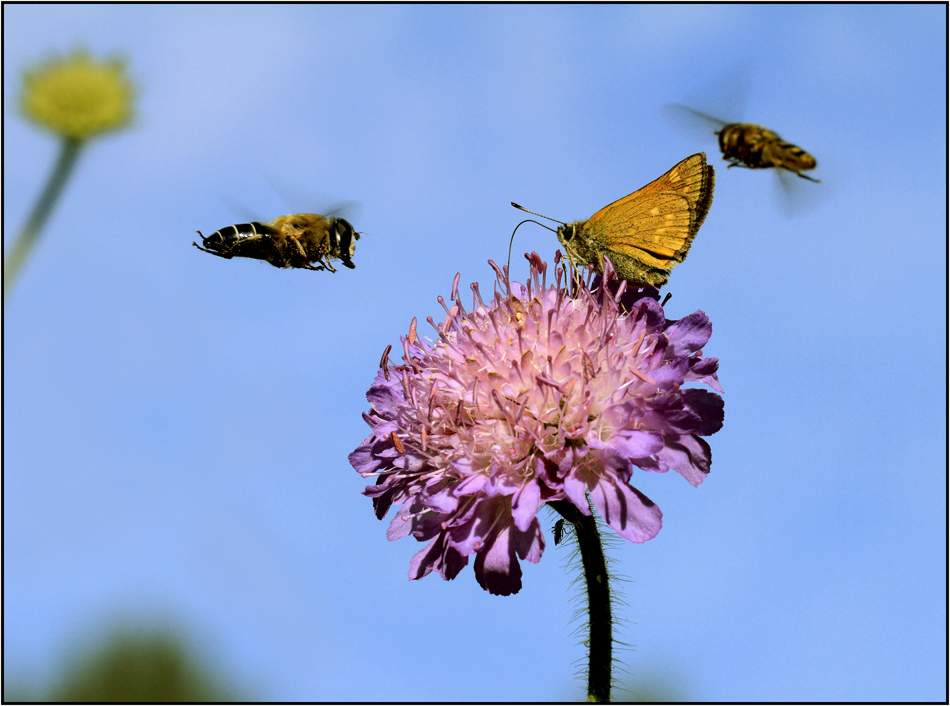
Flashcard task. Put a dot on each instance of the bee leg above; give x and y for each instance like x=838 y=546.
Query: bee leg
x=322 y=266
x=316 y=268
x=279 y=259
x=805 y=176
x=226 y=256
x=300 y=248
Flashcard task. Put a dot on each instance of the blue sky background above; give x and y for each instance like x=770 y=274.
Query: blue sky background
x=177 y=426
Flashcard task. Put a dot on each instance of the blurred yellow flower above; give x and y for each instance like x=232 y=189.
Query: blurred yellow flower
x=78 y=97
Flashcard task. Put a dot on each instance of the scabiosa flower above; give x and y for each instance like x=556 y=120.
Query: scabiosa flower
x=539 y=395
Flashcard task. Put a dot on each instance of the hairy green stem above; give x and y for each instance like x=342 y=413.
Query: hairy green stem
x=600 y=639
x=21 y=249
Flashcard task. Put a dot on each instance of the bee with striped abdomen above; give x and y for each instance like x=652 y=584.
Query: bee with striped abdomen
x=306 y=241
x=755 y=147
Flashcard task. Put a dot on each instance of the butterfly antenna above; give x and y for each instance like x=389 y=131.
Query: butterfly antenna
x=511 y=242
x=522 y=208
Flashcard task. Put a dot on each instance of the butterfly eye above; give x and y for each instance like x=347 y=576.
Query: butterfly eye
x=567 y=232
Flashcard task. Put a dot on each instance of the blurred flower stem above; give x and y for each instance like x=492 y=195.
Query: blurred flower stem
x=68 y=155
x=75 y=98
x=597 y=585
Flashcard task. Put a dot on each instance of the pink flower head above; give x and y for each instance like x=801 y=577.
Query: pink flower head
x=538 y=395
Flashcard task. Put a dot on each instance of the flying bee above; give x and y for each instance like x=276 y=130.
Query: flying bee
x=756 y=147
x=306 y=241
x=753 y=146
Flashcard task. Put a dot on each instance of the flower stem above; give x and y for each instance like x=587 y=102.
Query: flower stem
x=600 y=641
x=21 y=249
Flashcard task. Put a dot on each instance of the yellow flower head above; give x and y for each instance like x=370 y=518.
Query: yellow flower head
x=78 y=97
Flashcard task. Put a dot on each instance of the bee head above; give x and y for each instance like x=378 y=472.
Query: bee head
x=343 y=241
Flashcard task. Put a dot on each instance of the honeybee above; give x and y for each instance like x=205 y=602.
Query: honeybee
x=756 y=147
x=306 y=241
x=649 y=231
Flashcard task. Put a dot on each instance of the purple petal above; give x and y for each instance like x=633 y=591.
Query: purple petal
x=471 y=485
x=634 y=443
x=704 y=370
x=630 y=513
x=576 y=490
x=525 y=504
x=364 y=461
x=400 y=526
x=688 y=455
x=689 y=334
x=531 y=543
x=436 y=555
x=709 y=407
x=496 y=568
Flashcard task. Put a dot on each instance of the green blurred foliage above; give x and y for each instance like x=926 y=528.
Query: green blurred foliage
x=137 y=665
x=657 y=688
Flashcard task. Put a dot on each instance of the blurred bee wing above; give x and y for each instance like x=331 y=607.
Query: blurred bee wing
x=719 y=98
x=291 y=193
x=240 y=210
x=350 y=210
x=795 y=197
x=692 y=123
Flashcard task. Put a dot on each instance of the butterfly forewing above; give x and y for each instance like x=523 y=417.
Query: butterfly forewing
x=652 y=228
x=658 y=225
x=647 y=232
x=692 y=178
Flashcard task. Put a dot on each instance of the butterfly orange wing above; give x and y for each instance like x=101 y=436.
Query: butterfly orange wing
x=655 y=225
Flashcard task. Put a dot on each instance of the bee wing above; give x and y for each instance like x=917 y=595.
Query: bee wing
x=692 y=123
x=796 y=197
x=350 y=210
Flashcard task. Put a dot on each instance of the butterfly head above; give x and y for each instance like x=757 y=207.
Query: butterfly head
x=566 y=234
